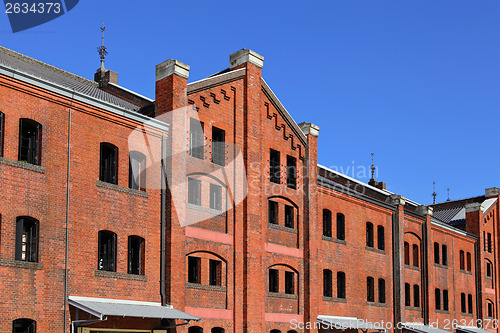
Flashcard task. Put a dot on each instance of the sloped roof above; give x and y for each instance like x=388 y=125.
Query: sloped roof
x=17 y=62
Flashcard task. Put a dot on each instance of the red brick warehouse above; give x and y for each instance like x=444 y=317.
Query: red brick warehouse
x=306 y=248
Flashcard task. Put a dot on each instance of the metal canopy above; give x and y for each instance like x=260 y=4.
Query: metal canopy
x=102 y=307
x=343 y=323
x=421 y=328
x=471 y=329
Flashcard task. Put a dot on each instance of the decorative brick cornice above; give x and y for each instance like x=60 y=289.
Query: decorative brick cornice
x=122 y=189
x=22 y=165
x=20 y=264
x=117 y=275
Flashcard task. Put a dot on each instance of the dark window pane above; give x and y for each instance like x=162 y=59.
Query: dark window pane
x=2 y=129
x=109 y=163
x=416 y=256
x=445 y=255
x=327 y=223
x=327 y=283
x=489 y=269
x=289 y=216
x=407 y=253
x=341 y=285
x=273 y=212
x=469 y=303
x=437 y=299
x=340 y=226
x=416 y=296
x=195 y=329
x=407 y=294
x=380 y=238
x=469 y=262
x=24 y=326
x=370 y=289
x=369 y=234
x=107 y=251
x=194 y=191
x=462 y=260
x=135 y=255
x=137 y=171
x=217 y=330
x=291 y=172
x=26 y=239
x=436 y=253
x=215 y=272
x=289 y=283
x=445 y=300
x=194 y=268
x=274 y=166
x=29 y=141
x=215 y=196
x=463 y=308
x=218 y=146
x=490 y=247
x=273 y=280
x=196 y=139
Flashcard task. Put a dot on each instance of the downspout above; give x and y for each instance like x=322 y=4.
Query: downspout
x=163 y=224
x=66 y=245
x=425 y=271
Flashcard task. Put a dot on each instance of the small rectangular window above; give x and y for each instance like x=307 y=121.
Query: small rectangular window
x=463 y=303
x=135 y=255
x=341 y=293
x=137 y=171
x=437 y=299
x=194 y=268
x=436 y=253
x=445 y=255
x=107 y=251
x=196 y=139
x=289 y=283
x=27 y=239
x=370 y=289
x=489 y=270
x=274 y=167
x=289 y=216
x=381 y=290
x=215 y=272
x=327 y=223
x=490 y=245
x=215 y=196
x=218 y=146
x=469 y=262
x=194 y=191
x=416 y=296
x=490 y=310
x=407 y=294
x=470 y=303
x=273 y=280
x=29 y=141
x=273 y=212
x=291 y=172
x=369 y=234
x=445 y=300
x=108 y=171
x=340 y=226
x=380 y=238
x=327 y=283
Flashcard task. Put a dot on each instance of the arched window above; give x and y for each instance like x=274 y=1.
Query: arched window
x=370 y=289
x=407 y=294
x=327 y=223
x=108 y=170
x=217 y=330
x=195 y=329
x=327 y=283
x=381 y=290
x=437 y=296
x=340 y=226
x=469 y=262
x=436 y=253
x=275 y=331
x=291 y=331
x=416 y=295
x=407 y=253
x=489 y=309
x=469 y=303
x=416 y=257
x=380 y=238
x=107 y=251
x=137 y=171
x=463 y=305
x=27 y=239
x=341 y=285
x=136 y=255
x=24 y=325
x=462 y=260
x=445 y=255
x=445 y=300
x=30 y=141
x=2 y=126
x=369 y=234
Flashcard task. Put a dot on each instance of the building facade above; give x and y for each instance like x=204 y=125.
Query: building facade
x=205 y=210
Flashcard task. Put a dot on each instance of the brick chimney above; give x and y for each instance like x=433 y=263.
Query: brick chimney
x=103 y=77
x=171 y=86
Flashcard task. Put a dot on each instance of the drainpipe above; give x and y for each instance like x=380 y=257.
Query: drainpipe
x=67 y=217
x=163 y=223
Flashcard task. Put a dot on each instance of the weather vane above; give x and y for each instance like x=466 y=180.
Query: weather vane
x=373 y=168
x=434 y=194
x=448 y=194
x=102 y=50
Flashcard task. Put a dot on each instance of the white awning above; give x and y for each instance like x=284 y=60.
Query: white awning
x=102 y=307
x=343 y=323
x=421 y=328
x=471 y=329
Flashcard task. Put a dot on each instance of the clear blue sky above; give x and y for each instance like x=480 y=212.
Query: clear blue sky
x=416 y=82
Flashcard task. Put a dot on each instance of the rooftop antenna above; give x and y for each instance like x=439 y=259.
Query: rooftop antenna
x=448 y=194
x=434 y=194
x=373 y=169
x=102 y=50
